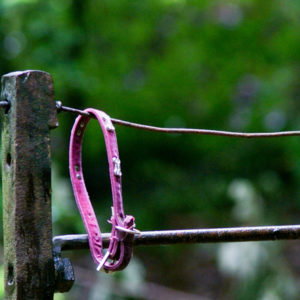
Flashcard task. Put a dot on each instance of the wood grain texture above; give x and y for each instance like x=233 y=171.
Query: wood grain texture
x=26 y=175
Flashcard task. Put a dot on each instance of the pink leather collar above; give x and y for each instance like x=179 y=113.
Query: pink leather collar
x=119 y=251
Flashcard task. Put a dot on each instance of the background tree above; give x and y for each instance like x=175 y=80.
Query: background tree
x=206 y=64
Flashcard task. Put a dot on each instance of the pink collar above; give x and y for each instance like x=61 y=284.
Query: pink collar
x=123 y=227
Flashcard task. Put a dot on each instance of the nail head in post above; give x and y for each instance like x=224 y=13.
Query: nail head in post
x=59 y=106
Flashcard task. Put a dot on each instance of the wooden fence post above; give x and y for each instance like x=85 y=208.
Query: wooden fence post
x=26 y=177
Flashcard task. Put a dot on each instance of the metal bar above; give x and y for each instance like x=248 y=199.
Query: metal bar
x=191 y=236
x=26 y=184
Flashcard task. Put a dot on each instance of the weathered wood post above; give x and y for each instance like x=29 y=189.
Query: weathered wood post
x=26 y=177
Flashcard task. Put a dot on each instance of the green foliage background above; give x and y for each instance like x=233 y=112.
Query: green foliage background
x=231 y=65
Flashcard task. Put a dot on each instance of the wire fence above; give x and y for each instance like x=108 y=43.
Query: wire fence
x=63 y=108
x=235 y=234
x=247 y=135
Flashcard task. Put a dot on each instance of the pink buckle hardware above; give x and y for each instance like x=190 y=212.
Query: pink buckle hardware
x=119 y=251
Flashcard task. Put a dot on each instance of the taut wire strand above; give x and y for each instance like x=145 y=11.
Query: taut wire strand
x=246 y=135
x=186 y=130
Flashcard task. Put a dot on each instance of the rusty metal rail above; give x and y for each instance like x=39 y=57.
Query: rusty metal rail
x=191 y=236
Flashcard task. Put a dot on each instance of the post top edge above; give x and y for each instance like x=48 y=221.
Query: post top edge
x=20 y=73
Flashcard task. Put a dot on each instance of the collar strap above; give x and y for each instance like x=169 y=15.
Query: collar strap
x=119 y=251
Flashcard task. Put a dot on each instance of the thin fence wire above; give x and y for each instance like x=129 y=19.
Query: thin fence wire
x=60 y=107
x=247 y=135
